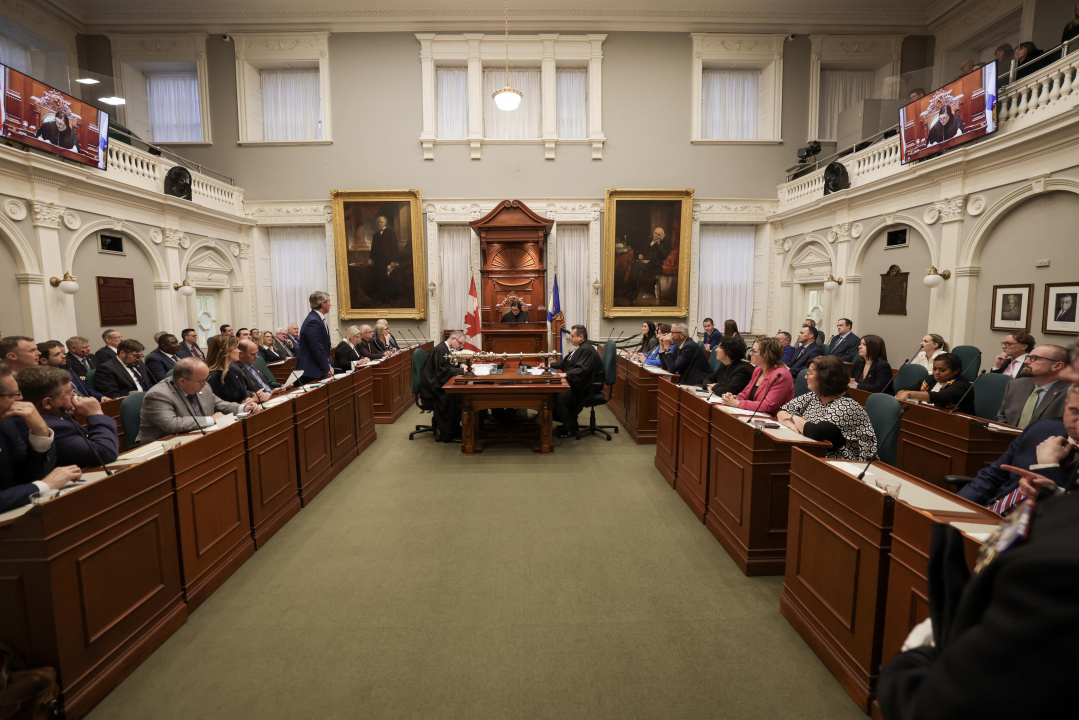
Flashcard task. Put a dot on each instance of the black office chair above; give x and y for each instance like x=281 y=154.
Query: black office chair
x=598 y=397
x=419 y=357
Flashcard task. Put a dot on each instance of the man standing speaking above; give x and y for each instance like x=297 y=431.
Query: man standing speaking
x=313 y=355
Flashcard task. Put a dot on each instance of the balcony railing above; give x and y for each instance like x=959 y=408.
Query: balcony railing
x=1051 y=92
x=135 y=167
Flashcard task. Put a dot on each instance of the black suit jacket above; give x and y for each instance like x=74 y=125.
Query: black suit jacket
x=80 y=366
x=845 y=349
x=368 y=350
x=992 y=483
x=112 y=379
x=437 y=370
x=20 y=465
x=232 y=387
x=731 y=378
x=801 y=358
x=344 y=355
x=159 y=364
x=269 y=354
x=71 y=446
x=103 y=355
x=690 y=362
x=880 y=374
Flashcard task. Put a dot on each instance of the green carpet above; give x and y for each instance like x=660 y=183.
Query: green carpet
x=425 y=584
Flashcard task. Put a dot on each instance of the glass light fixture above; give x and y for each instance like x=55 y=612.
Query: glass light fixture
x=831 y=284
x=186 y=289
x=933 y=279
x=507 y=98
x=67 y=286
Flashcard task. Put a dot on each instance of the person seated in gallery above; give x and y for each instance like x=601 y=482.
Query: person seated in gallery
x=784 y=339
x=651 y=358
x=59 y=132
x=124 y=374
x=683 y=357
x=437 y=370
x=584 y=371
x=256 y=379
x=945 y=388
x=828 y=413
x=933 y=346
x=515 y=314
x=382 y=340
x=163 y=357
x=225 y=382
x=998 y=488
x=268 y=350
x=871 y=371
x=1039 y=392
x=649 y=341
x=366 y=345
x=771 y=385
x=732 y=375
x=50 y=391
x=184 y=402
x=948 y=125
x=346 y=354
x=1013 y=351
x=807 y=350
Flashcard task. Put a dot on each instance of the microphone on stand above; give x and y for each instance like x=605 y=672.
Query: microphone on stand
x=964 y=397
x=750 y=420
x=887 y=435
x=186 y=404
x=905 y=362
x=418 y=341
x=88 y=443
x=610 y=334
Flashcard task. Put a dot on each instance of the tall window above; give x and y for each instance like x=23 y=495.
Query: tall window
x=730 y=105
x=571 y=100
x=455 y=251
x=573 y=273
x=291 y=107
x=297 y=268
x=839 y=89
x=726 y=273
x=526 y=122
x=451 y=103
x=173 y=104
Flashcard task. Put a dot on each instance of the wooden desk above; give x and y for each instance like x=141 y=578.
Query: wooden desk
x=635 y=401
x=694 y=442
x=748 y=502
x=668 y=398
x=836 y=584
x=365 y=412
x=281 y=370
x=515 y=337
x=312 y=423
x=90 y=581
x=342 y=414
x=273 y=488
x=531 y=392
x=392 y=385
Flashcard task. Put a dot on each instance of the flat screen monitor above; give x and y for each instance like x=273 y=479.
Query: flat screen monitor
x=957 y=113
x=42 y=117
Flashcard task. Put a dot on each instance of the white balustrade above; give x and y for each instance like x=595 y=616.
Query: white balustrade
x=136 y=167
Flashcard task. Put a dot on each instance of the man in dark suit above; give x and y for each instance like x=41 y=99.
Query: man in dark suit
x=49 y=389
x=784 y=339
x=583 y=369
x=124 y=375
x=294 y=336
x=366 y=346
x=313 y=358
x=27 y=452
x=844 y=344
x=184 y=403
x=161 y=360
x=710 y=341
x=678 y=354
x=112 y=339
x=994 y=483
x=189 y=347
x=254 y=377
x=53 y=355
x=1014 y=349
x=807 y=351
x=18 y=352
x=1065 y=311
x=1038 y=393
x=283 y=344
x=437 y=370
x=79 y=358
x=384 y=259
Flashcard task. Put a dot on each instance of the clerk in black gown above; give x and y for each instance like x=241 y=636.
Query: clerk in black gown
x=583 y=368
x=516 y=314
x=437 y=370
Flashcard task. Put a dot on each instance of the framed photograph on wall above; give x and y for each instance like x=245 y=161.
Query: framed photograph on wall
x=1059 y=312
x=1012 y=307
x=647 y=247
x=378 y=241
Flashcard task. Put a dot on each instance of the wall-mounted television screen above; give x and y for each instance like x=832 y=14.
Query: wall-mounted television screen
x=959 y=112
x=41 y=116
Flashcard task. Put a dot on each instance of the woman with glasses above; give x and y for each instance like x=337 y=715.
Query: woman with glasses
x=828 y=413
x=771 y=385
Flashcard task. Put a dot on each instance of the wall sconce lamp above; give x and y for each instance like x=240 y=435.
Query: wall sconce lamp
x=831 y=284
x=933 y=279
x=595 y=286
x=431 y=288
x=185 y=288
x=67 y=286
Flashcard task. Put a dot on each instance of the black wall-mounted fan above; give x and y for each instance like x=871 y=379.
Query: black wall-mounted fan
x=178 y=183
x=835 y=178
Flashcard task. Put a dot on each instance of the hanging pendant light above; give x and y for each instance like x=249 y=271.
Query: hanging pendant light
x=507 y=98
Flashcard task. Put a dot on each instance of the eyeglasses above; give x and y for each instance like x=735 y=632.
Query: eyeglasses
x=752 y=351
x=11 y=395
x=1006 y=344
x=1036 y=358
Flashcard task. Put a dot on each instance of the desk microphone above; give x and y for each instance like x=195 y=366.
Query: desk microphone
x=887 y=435
x=413 y=336
x=88 y=443
x=976 y=359
x=750 y=420
x=610 y=334
x=964 y=397
x=186 y=404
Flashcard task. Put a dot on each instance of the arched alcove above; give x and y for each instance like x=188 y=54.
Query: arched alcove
x=809 y=262
x=214 y=274
x=88 y=263
x=12 y=321
x=901 y=333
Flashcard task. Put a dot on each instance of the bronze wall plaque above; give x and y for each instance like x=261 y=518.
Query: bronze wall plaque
x=116 y=301
x=893 y=292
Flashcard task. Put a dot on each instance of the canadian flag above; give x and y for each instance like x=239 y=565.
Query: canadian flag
x=472 y=320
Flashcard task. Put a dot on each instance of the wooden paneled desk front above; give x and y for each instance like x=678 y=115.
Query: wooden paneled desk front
x=635 y=400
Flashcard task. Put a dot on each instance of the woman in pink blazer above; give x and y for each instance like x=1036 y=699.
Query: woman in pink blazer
x=771 y=386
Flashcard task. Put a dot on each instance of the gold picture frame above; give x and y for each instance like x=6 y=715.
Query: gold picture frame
x=644 y=276
x=387 y=224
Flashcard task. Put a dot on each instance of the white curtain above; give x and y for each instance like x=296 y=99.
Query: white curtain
x=839 y=89
x=15 y=56
x=173 y=100
x=291 y=106
x=297 y=269
x=726 y=274
x=730 y=104
x=455 y=242
x=451 y=103
x=527 y=120
x=573 y=283
x=571 y=103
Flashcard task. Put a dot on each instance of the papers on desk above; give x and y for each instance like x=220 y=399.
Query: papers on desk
x=781 y=433
x=978 y=531
x=910 y=493
x=1003 y=428
x=293 y=377
x=656 y=370
x=279 y=362
x=13 y=514
x=735 y=411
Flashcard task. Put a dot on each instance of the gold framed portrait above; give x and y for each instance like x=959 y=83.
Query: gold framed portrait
x=378 y=237
x=647 y=251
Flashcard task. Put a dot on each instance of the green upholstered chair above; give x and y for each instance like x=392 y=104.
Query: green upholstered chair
x=972 y=360
x=989 y=394
x=908 y=375
x=260 y=363
x=419 y=357
x=883 y=410
x=598 y=397
x=90 y=377
x=801 y=384
x=130 y=414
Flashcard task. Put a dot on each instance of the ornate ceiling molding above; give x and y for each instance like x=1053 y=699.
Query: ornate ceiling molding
x=315 y=212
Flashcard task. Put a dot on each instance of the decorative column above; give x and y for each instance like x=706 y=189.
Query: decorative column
x=59 y=317
x=595 y=96
x=840 y=301
x=548 y=74
x=175 y=304
x=427 y=76
x=944 y=315
x=475 y=94
x=434 y=275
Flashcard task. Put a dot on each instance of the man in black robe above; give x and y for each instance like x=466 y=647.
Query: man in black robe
x=515 y=314
x=583 y=368
x=437 y=370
